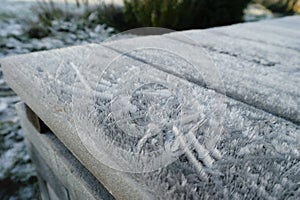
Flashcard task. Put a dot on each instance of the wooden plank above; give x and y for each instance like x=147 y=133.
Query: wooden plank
x=291 y=22
x=260 y=75
x=49 y=95
x=272 y=32
x=245 y=148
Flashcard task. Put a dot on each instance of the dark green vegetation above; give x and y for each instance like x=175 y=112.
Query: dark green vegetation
x=172 y=14
x=183 y=14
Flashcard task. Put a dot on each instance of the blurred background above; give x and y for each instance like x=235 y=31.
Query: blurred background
x=35 y=25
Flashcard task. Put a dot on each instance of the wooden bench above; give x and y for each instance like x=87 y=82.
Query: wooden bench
x=186 y=115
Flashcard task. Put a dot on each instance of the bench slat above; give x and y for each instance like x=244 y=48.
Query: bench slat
x=253 y=134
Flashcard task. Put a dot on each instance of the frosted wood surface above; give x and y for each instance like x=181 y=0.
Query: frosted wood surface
x=263 y=33
x=259 y=63
x=291 y=23
x=38 y=82
x=259 y=74
x=255 y=153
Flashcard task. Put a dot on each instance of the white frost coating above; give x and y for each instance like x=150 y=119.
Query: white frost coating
x=256 y=156
x=127 y=121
